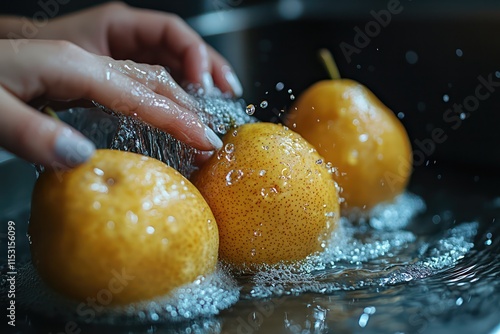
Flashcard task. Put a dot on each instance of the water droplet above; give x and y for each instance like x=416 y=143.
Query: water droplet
x=292 y=97
x=363 y=137
x=263 y=104
x=265 y=147
x=110 y=224
x=446 y=98
x=99 y=187
x=132 y=217
x=286 y=173
x=98 y=172
x=155 y=317
x=250 y=109
x=319 y=161
x=289 y=91
x=171 y=219
x=221 y=128
x=459 y=52
x=280 y=86
x=411 y=57
x=96 y=205
x=235 y=133
x=229 y=148
x=229 y=156
x=233 y=176
x=262 y=172
x=401 y=115
x=463 y=116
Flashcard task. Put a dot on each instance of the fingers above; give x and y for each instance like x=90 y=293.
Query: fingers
x=159 y=38
x=39 y=138
x=155 y=78
x=202 y=156
x=62 y=71
x=224 y=75
x=87 y=76
x=197 y=66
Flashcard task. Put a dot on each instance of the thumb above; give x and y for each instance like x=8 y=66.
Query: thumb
x=39 y=138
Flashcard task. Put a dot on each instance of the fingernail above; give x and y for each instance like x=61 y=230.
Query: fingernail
x=207 y=82
x=73 y=149
x=233 y=81
x=213 y=138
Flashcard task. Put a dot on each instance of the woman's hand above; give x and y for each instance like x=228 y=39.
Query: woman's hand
x=144 y=36
x=63 y=71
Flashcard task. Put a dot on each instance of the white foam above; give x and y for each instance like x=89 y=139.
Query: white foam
x=203 y=298
x=362 y=254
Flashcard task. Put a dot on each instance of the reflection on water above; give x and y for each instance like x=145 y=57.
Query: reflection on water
x=372 y=277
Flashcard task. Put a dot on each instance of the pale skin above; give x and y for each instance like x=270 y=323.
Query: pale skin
x=76 y=57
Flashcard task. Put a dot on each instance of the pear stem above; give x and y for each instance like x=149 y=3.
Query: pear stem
x=330 y=65
x=49 y=111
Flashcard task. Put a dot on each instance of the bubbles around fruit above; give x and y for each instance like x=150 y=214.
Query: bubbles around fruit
x=359 y=135
x=121 y=223
x=273 y=202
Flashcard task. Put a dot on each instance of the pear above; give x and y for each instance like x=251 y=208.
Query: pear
x=362 y=138
x=272 y=195
x=121 y=227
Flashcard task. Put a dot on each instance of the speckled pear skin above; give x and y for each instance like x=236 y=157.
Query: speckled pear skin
x=123 y=223
x=273 y=198
x=362 y=138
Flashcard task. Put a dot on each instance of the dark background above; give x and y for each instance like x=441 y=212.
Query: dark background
x=277 y=41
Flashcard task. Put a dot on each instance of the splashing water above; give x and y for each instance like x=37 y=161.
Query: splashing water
x=217 y=111
x=373 y=252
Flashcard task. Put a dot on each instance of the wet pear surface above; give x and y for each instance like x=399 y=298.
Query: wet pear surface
x=273 y=198
x=351 y=128
x=120 y=213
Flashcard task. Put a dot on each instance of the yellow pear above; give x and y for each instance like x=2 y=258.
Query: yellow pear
x=363 y=139
x=271 y=194
x=122 y=228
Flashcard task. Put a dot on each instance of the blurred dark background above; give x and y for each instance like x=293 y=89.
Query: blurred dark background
x=428 y=58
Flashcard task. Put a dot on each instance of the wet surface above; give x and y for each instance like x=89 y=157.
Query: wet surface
x=436 y=271
x=429 y=262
